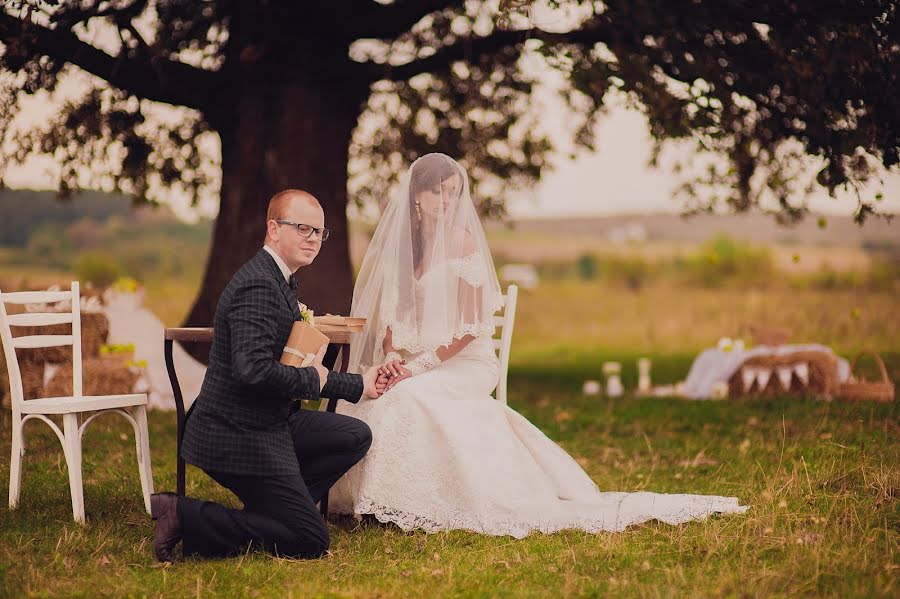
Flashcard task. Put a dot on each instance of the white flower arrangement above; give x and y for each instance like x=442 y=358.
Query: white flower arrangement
x=728 y=344
x=306 y=315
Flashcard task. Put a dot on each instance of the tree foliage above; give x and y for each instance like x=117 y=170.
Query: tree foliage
x=773 y=86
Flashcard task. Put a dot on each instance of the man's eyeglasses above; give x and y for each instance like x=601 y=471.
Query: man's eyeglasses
x=306 y=230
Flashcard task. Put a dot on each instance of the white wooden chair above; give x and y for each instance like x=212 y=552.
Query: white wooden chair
x=502 y=345
x=74 y=410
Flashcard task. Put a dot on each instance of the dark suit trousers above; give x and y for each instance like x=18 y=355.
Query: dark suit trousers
x=279 y=514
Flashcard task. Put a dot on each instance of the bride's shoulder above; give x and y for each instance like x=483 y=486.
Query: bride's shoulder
x=468 y=250
x=469 y=265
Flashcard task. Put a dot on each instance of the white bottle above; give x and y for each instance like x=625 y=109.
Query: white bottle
x=612 y=371
x=643 y=375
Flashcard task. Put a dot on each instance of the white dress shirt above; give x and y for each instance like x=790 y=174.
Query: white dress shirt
x=281 y=265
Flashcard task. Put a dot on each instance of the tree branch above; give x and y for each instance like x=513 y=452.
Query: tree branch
x=471 y=49
x=392 y=20
x=146 y=76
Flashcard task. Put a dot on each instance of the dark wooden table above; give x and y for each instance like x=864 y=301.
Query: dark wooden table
x=338 y=338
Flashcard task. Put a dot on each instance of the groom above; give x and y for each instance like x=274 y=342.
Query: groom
x=241 y=430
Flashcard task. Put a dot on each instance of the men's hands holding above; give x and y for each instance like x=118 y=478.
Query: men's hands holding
x=317 y=364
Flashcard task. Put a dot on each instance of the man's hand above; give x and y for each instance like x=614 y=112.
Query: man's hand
x=317 y=364
x=371 y=387
x=381 y=383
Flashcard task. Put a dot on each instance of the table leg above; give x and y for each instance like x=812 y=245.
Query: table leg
x=179 y=412
x=332 y=406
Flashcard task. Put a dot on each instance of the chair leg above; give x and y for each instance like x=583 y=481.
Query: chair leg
x=142 y=440
x=15 y=462
x=73 y=460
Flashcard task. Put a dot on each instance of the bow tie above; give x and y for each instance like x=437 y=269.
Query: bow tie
x=292 y=283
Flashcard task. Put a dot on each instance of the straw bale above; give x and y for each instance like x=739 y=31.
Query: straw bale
x=94 y=332
x=102 y=376
x=32 y=379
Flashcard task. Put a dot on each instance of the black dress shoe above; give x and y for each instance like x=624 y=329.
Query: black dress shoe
x=164 y=509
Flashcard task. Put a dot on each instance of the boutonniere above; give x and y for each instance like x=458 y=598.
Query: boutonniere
x=306 y=315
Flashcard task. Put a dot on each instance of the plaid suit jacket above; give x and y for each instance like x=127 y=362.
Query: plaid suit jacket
x=239 y=422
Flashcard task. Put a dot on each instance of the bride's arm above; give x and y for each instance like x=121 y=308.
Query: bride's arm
x=387 y=346
x=470 y=303
x=427 y=360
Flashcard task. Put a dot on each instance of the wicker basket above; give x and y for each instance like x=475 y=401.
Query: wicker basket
x=861 y=389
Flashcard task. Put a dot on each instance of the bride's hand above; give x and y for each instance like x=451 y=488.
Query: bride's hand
x=400 y=373
x=391 y=369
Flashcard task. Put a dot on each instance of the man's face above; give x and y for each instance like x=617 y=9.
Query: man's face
x=295 y=250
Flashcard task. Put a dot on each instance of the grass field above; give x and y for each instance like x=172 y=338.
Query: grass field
x=821 y=478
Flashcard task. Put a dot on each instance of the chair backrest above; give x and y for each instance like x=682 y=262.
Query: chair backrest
x=502 y=345
x=39 y=319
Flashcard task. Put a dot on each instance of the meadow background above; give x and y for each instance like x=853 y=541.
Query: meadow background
x=821 y=478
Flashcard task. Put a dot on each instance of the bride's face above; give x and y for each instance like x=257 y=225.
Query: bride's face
x=440 y=200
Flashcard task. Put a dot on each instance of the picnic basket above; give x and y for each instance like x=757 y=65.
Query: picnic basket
x=861 y=389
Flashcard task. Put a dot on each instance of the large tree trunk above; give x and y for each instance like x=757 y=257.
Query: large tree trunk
x=279 y=136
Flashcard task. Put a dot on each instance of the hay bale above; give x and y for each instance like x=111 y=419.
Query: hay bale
x=31 y=368
x=32 y=361
x=823 y=375
x=32 y=379
x=94 y=332
x=101 y=376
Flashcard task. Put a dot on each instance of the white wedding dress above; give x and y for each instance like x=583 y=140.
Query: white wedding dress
x=446 y=455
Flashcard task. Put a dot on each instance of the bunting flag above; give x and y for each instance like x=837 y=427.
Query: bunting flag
x=748 y=375
x=762 y=378
x=802 y=371
x=785 y=373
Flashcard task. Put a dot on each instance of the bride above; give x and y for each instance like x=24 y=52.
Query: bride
x=445 y=454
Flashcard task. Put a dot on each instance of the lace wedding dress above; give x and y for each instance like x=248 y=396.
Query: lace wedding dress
x=446 y=455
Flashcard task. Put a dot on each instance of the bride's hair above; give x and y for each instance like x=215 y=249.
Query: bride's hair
x=428 y=172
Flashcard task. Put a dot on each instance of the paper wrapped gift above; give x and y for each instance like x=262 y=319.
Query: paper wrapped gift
x=304 y=339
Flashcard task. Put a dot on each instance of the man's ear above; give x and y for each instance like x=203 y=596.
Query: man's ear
x=272 y=230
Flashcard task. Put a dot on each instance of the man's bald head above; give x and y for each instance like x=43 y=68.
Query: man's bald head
x=279 y=203
x=293 y=207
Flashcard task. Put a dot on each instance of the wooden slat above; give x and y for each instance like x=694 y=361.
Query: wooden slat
x=32 y=341
x=499 y=320
x=31 y=319
x=205 y=334
x=36 y=297
x=200 y=334
x=497 y=343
